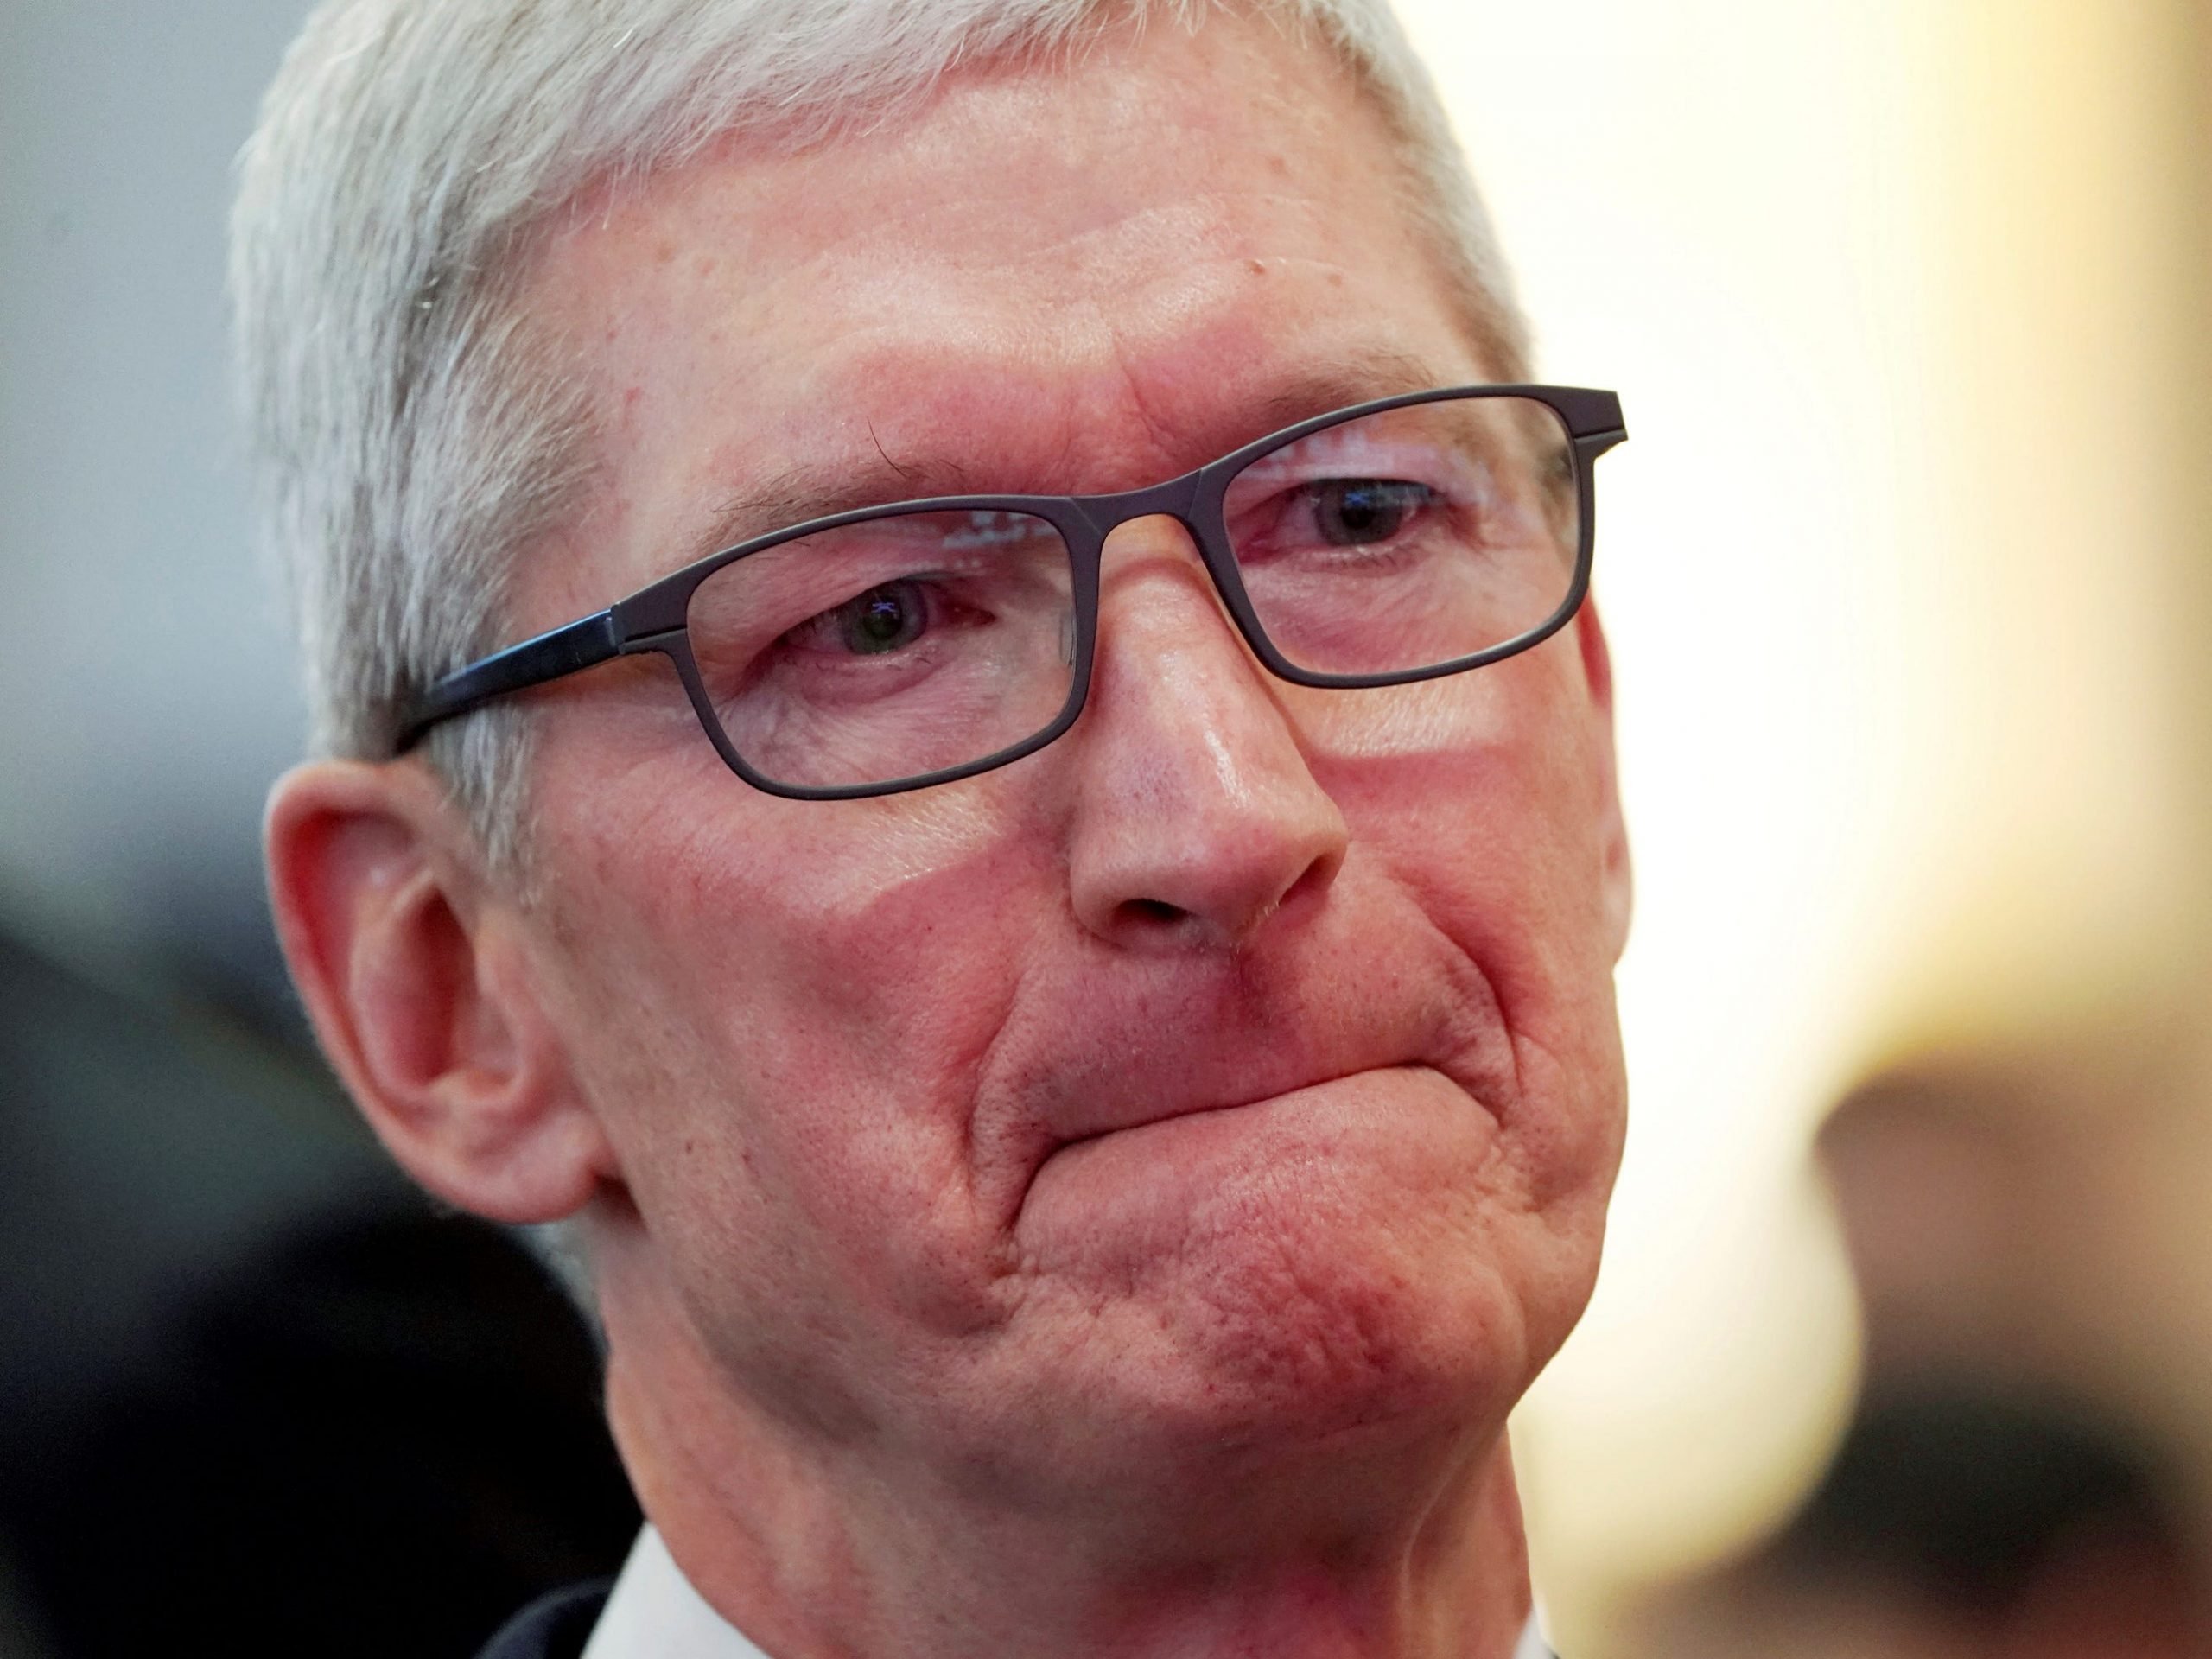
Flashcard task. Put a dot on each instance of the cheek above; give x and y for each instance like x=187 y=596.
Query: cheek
x=780 y=1008
x=1486 y=796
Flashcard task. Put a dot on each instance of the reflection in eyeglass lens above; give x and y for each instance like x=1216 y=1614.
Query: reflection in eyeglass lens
x=1410 y=537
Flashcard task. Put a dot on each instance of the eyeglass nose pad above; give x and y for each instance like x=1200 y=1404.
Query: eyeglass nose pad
x=1067 y=640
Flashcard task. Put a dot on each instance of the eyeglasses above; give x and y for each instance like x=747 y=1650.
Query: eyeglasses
x=898 y=646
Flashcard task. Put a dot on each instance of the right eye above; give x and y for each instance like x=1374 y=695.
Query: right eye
x=884 y=618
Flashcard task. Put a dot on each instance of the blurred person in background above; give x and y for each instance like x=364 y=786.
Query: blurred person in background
x=1057 y=949
x=2028 y=1472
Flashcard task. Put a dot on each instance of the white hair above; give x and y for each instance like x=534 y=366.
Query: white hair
x=408 y=431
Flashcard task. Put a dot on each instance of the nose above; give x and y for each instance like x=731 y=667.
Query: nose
x=1197 y=817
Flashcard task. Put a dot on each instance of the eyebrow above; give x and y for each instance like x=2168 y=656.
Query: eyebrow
x=802 y=493
x=1340 y=382
x=797 y=495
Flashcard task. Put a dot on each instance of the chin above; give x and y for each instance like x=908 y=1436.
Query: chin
x=1274 y=1358
x=1342 y=1414
x=1331 y=1340
x=1268 y=1305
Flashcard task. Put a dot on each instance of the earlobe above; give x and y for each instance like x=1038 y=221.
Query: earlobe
x=412 y=968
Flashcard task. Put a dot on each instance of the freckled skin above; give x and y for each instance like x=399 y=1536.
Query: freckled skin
x=1181 y=1146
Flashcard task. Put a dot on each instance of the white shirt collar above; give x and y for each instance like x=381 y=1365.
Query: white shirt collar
x=654 y=1613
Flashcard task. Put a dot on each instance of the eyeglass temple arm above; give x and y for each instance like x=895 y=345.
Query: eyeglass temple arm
x=578 y=644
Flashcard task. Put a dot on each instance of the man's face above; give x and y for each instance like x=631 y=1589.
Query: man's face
x=1240 y=1073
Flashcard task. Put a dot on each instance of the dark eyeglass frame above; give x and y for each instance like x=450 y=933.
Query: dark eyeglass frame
x=654 y=617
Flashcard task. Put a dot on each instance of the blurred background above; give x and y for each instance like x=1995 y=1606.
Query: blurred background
x=250 y=1383
x=1900 y=1343
x=1909 y=1284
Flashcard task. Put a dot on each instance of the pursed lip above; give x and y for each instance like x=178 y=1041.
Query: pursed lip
x=1151 y=1048
x=1202 y=1108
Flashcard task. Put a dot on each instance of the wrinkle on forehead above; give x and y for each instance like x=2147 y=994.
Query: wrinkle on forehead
x=1033 y=284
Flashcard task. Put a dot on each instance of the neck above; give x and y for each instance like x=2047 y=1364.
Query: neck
x=815 y=1552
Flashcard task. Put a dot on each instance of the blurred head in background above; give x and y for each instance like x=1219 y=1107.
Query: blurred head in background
x=2026 y=1471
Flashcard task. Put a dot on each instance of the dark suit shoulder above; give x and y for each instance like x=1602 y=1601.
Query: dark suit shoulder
x=555 y=1626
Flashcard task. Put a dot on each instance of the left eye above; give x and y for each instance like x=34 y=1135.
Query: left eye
x=1360 y=511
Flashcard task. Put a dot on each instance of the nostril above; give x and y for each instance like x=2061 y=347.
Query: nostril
x=1152 y=912
x=1315 y=878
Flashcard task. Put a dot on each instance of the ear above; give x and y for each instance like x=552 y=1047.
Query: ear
x=1619 y=876
x=412 y=966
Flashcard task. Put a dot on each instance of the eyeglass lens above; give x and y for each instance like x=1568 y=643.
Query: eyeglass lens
x=1401 y=540
x=920 y=642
